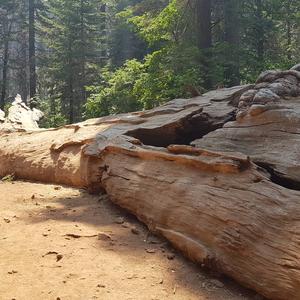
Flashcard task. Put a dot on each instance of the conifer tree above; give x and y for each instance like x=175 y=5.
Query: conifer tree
x=72 y=32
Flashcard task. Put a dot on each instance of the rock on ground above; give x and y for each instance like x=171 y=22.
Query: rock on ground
x=20 y=117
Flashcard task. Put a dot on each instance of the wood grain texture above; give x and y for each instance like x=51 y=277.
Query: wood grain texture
x=220 y=211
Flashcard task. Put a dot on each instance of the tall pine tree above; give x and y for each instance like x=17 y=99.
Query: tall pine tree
x=72 y=32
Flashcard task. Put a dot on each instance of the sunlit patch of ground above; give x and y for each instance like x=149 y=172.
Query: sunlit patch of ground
x=61 y=243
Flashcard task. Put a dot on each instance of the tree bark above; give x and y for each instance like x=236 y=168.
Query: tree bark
x=289 y=30
x=6 y=30
x=204 y=36
x=232 y=40
x=71 y=101
x=32 y=54
x=230 y=220
x=203 y=19
x=82 y=79
x=260 y=34
x=22 y=73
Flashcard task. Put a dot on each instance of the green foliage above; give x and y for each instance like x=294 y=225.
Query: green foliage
x=164 y=75
x=163 y=27
x=117 y=93
x=275 y=25
x=124 y=43
x=72 y=32
x=53 y=116
x=170 y=71
x=97 y=57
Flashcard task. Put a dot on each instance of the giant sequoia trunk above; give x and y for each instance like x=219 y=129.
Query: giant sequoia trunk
x=226 y=206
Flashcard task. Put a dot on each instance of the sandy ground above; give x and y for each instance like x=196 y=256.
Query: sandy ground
x=61 y=243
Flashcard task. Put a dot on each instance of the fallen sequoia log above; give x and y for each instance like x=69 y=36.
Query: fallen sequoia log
x=267 y=129
x=221 y=206
x=70 y=154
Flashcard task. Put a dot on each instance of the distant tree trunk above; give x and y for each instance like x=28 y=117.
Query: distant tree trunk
x=204 y=36
x=5 y=63
x=22 y=73
x=232 y=40
x=83 y=45
x=70 y=82
x=203 y=13
x=289 y=30
x=32 y=58
x=103 y=10
x=71 y=101
x=4 y=75
x=260 y=34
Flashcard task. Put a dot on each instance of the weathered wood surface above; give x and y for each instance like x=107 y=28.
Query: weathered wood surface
x=212 y=203
x=268 y=130
x=271 y=138
x=220 y=211
x=69 y=154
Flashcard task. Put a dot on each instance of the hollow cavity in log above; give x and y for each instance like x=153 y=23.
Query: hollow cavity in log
x=189 y=129
x=278 y=178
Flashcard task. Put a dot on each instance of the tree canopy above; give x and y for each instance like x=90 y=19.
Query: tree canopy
x=89 y=58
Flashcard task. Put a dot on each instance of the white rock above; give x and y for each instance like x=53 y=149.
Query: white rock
x=2 y=116
x=20 y=116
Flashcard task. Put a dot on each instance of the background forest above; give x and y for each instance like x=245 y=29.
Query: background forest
x=87 y=58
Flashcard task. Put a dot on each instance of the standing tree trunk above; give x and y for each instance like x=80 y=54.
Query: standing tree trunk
x=203 y=15
x=32 y=58
x=83 y=45
x=70 y=82
x=22 y=71
x=204 y=36
x=71 y=101
x=260 y=34
x=6 y=30
x=104 y=21
x=289 y=29
x=232 y=40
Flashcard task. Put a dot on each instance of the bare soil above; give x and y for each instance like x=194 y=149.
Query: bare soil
x=62 y=243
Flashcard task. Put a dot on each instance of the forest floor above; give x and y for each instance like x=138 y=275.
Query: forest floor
x=61 y=243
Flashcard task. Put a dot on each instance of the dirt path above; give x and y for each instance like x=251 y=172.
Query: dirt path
x=61 y=243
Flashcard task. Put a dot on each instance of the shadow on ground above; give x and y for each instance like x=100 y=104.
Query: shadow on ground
x=113 y=229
